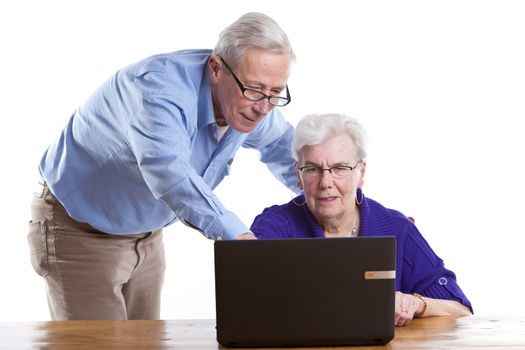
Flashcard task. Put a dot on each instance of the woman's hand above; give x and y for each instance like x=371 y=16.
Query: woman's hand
x=407 y=306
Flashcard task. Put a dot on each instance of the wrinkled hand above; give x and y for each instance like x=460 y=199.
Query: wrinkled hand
x=246 y=235
x=407 y=306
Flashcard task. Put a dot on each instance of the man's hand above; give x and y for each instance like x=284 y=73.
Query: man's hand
x=246 y=235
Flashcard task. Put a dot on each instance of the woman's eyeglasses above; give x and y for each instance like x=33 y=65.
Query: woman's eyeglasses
x=311 y=172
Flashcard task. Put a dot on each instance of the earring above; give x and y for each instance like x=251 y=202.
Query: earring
x=298 y=204
x=357 y=195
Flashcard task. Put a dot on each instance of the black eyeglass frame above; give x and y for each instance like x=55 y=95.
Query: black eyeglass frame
x=287 y=99
x=322 y=170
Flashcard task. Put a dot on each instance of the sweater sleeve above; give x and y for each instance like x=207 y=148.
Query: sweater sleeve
x=424 y=272
x=272 y=223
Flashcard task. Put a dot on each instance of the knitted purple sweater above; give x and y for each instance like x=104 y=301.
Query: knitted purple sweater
x=418 y=268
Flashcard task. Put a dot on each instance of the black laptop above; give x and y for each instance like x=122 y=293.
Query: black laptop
x=305 y=292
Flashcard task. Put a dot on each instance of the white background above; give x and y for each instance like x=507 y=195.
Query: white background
x=439 y=86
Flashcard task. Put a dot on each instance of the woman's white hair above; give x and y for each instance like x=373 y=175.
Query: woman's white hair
x=313 y=129
x=252 y=30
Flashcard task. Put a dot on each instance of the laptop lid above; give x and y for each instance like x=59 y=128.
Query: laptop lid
x=305 y=292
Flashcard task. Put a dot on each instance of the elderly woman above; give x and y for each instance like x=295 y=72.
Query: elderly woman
x=330 y=154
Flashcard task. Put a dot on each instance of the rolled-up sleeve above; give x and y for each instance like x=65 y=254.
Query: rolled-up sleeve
x=425 y=273
x=273 y=138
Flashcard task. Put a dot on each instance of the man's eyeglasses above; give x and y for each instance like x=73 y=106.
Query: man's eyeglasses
x=311 y=172
x=254 y=95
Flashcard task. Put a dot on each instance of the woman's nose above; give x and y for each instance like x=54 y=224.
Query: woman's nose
x=326 y=179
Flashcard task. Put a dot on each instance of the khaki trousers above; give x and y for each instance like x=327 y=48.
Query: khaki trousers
x=90 y=274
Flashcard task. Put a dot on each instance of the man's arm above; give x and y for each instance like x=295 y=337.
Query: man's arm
x=161 y=135
x=273 y=138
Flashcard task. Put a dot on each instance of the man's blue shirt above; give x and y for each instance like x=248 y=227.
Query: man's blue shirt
x=144 y=151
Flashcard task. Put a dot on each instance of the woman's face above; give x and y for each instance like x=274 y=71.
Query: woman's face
x=331 y=200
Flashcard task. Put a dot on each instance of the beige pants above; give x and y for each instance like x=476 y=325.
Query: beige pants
x=90 y=274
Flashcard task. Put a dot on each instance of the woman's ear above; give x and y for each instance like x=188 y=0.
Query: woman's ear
x=299 y=182
x=362 y=172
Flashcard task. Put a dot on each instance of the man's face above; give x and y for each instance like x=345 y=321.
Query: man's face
x=258 y=70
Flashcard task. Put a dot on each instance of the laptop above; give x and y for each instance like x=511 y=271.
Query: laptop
x=305 y=292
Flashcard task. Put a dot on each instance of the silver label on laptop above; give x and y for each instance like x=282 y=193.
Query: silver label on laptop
x=380 y=275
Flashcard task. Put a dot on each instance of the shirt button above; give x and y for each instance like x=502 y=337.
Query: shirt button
x=442 y=281
x=219 y=237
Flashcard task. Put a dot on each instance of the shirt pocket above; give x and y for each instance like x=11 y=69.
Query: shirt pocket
x=216 y=172
x=226 y=170
x=37 y=239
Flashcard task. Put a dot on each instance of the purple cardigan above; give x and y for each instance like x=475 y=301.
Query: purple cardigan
x=418 y=268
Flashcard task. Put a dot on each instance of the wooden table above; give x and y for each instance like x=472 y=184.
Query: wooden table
x=471 y=332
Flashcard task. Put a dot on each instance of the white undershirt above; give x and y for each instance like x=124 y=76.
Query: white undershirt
x=221 y=130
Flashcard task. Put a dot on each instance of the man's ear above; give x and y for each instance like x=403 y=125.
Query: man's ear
x=215 y=67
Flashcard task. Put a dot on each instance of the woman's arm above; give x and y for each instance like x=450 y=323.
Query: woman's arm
x=410 y=306
x=439 y=307
x=423 y=272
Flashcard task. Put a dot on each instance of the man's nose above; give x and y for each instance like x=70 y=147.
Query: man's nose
x=263 y=106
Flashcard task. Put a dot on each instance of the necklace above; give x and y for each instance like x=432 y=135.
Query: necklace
x=345 y=233
x=356 y=224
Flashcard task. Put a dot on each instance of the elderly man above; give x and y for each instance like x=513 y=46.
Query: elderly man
x=147 y=149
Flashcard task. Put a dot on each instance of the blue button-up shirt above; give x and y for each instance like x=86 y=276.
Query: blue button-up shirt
x=144 y=151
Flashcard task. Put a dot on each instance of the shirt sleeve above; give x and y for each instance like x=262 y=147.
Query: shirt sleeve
x=273 y=138
x=160 y=137
x=425 y=273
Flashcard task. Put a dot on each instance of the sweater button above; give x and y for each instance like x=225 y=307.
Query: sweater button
x=442 y=281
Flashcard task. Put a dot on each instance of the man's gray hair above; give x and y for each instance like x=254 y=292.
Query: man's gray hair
x=252 y=30
x=313 y=129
